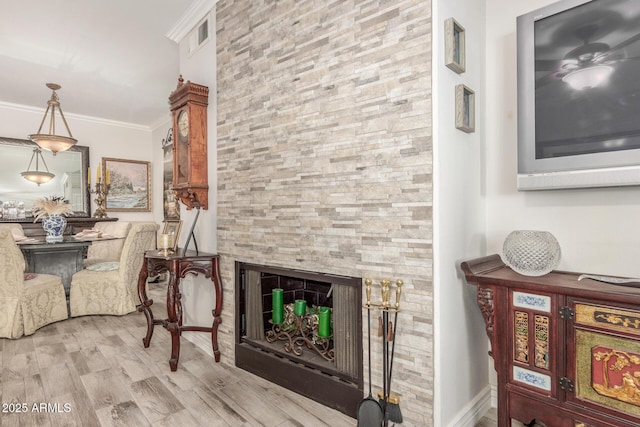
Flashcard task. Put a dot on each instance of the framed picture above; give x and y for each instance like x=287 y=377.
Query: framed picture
x=173 y=227
x=465 y=109
x=129 y=183
x=454 y=45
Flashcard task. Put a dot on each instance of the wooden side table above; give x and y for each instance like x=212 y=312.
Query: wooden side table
x=178 y=267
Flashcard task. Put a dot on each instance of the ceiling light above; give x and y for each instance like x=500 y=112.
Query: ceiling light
x=587 y=78
x=37 y=176
x=50 y=141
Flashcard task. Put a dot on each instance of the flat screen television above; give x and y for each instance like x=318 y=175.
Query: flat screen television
x=579 y=95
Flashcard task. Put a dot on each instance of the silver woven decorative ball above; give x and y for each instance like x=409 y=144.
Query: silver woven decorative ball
x=532 y=253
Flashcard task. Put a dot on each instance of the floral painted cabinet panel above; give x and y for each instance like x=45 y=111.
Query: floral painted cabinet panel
x=607 y=363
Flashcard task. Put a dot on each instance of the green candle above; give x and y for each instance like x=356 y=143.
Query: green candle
x=300 y=307
x=277 y=306
x=324 y=322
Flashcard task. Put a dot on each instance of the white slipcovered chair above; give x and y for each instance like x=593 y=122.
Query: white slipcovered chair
x=112 y=287
x=28 y=302
x=16 y=230
x=108 y=250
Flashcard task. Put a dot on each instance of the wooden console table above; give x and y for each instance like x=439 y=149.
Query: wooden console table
x=566 y=352
x=178 y=267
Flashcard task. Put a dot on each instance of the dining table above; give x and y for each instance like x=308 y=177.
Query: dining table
x=62 y=258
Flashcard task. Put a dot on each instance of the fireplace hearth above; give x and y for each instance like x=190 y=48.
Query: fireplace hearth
x=294 y=354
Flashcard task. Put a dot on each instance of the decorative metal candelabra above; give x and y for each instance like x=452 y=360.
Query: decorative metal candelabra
x=301 y=331
x=101 y=191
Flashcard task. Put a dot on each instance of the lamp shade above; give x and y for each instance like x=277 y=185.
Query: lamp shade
x=54 y=143
x=51 y=141
x=37 y=176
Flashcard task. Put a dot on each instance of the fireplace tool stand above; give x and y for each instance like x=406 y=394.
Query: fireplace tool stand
x=389 y=402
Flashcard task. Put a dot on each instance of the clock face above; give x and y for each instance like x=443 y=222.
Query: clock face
x=183 y=125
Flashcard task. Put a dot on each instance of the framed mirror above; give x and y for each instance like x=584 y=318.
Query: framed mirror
x=69 y=167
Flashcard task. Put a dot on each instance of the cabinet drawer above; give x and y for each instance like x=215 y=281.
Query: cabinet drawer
x=526 y=410
x=608 y=318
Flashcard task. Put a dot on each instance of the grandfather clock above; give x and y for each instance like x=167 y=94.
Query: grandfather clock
x=190 y=176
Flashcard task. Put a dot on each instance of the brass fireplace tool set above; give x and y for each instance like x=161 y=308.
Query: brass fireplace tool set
x=370 y=411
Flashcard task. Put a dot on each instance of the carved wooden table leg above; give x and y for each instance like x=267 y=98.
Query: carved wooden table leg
x=146 y=303
x=173 y=322
x=217 y=319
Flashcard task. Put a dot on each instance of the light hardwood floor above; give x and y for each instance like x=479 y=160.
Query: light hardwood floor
x=94 y=371
x=490 y=419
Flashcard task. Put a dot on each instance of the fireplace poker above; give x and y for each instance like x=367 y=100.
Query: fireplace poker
x=385 y=284
x=369 y=410
x=393 y=402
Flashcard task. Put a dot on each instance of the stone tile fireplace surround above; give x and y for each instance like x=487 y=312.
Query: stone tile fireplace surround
x=324 y=159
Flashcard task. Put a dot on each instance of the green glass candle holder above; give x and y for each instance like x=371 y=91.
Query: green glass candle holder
x=324 y=322
x=300 y=307
x=277 y=306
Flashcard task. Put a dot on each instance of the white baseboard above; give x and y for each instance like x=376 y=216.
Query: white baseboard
x=474 y=410
x=494 y=396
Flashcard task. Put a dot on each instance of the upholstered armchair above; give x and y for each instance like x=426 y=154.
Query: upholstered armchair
x=108 y=250
x=112 y=287
x=28 y=302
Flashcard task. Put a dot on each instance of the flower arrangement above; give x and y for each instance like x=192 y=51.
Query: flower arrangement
x=53 y=205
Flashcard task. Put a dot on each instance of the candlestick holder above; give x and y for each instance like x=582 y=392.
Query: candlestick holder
x=301 y=331
x=101 y=190
x=165 y=244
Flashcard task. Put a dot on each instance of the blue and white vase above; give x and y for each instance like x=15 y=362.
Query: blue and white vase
x=54 y=226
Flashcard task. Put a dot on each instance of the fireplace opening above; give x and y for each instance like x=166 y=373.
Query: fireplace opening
x=306 y=336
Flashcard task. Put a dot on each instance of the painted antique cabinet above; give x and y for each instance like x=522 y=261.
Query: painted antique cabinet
x=566 y=352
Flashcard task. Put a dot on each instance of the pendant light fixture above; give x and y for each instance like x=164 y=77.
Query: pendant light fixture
x=37 y=176
x=587 y=78
x=50 y=141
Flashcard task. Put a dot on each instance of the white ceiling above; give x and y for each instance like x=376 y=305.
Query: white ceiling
x=111 y=57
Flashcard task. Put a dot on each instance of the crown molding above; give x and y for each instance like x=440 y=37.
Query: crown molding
x=162 y=122
x=190 y=19
x=90 y=119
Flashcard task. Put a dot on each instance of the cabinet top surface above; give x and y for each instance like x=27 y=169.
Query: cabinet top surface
x=490 y=270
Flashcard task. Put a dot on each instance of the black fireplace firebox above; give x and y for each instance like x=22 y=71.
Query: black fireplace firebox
x=327 y=370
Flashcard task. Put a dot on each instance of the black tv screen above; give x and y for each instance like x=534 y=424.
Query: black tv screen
x=579 y=95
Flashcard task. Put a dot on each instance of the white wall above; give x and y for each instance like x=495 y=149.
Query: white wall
x=104 y=139
x=461 y=378
x=598 y=229
x=200 y=67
